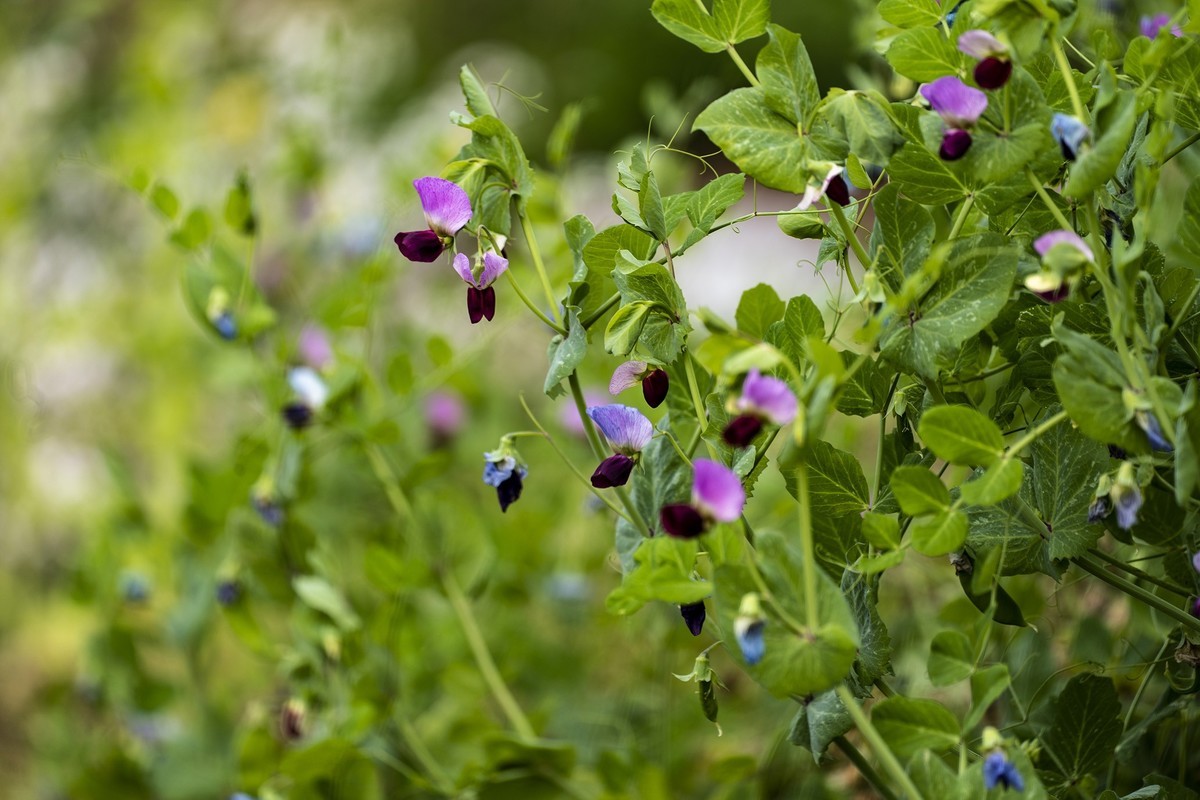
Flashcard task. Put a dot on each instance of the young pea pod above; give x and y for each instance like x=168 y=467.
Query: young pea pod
x=706 y=681
x=1007 y=611
x=708 y=699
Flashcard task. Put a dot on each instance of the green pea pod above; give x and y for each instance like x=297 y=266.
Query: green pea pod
x=1007 y=610
x=708 y=700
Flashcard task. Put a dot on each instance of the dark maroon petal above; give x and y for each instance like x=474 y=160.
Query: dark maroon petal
x=992 y=72
x=297 y=415
x=742 y=430
x=509 y=490
x=489 y=303
x=654 y=387
x=838 y=191
x=474 y=304
x=693 y=616
x=1196 y=608
x=1056 y=295
x=955 y=144
x=613 y=471
x=423 y=246
x=681 y=520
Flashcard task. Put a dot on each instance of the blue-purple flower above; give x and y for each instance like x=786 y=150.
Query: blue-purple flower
x=960 y=107
x=693 y=616
x=504 y=471
x=1070 y=134
x=1146 y=420
x=310 y=393
x=763 y=399
x=219 y=314
x=481 y=297
x=999 y=771
x=447 y=210
x=228 y=592
x=627 y=431
x=1126 y=496
x=717 y=496
x=995 y=65
x=654 y=380
x=1151 y=26
x=748 y=629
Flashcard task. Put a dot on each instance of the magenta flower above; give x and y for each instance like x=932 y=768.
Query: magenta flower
x=481 y=297
x=654 y=380
x=1064 y=255
x=1151 y=26
x=314 y=347
x=995 y=66
x=717 y=496
x=1048 y=241
x=447 y=209
x=627 y=431
x=444 y=416
x=960 y=107
x=763 y=399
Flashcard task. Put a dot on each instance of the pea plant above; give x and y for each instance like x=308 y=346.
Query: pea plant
x=1005 y=208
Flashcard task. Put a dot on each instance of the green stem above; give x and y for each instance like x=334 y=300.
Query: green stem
x=670 y=261
x=412 y=740
x=960 y=219
x=698 y=403
x=891 y=765
x=983 y=376
x=864 y=767
x=1051 y=206
x=737 y=59
x=483 y=658
x=1184 y=145
x=1032 y=436
x=878 y=475
x=536 y=253
x=1146 y=576
x=836 y=212
x=1064 y=66
x=1185 y=619
x=812 y=617
x=512 y=281
x=595 y=316
x=1137 y=698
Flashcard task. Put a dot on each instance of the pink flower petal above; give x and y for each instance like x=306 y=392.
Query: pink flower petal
x=959 y=105
x=447 y=207
x=626 y=376
x=493 y=267
x=1046 y=241
x=717 y=490
x=462 y=265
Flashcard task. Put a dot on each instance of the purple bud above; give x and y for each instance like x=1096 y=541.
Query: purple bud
x=682 y=520
x=1070 y=134
x=955 y=143
x=225 y=326
x=228 y=592
x=421 y=246
x=999 y=771
x=749 y=634
x=474 y=304
x=1099 y=509
x=1128 y=503
x=1150 y=26
x=613 y=471
x=838 y=191
x=297 y=415
x=693 y=617
x=509 y=490
x=1196 y=608
x=655 y=386
x=741 y=430
x=993 y=72
x=1154 y=433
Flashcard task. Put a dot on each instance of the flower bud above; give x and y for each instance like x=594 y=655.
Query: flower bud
x=955 y=143
x=613 y=471
x=748 y=629
x=741 y=430
x=693 y=616
x=655 y=386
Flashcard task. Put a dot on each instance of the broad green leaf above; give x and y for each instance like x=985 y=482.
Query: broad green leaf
x=595 y=287
x=866 y=392
x=194 y=231
x=925 y=54
x=1013 y=526
x=870 y=565
x=1086 y=727
x=820 y=720
x=1066 y=466
x=940 y=534
x=165 y=200
x=987 y=685
x=875 y=643
x=1189 y=223
x=951 y=658
x=961 y=435
x=881 y=530
x=763 y=144
x=1089 y=380
x=933 y=778
x=924 y=177
x=998 y=482
x=801 y=321
x=759 y=308
x=663 y=571
x=317 y=593
x=739 y=20
x=1181 y=72
x=1098 y=164
x=919 y=491
x=706 y=205
x=625 y=328
x=902 y=236
x=911 y=13
x=565 y=354
x=973 y=286
x=691 y=22
x=650 y=206
x=909 y=725
x=788 y=82
x=863 y=121
x=836 y=484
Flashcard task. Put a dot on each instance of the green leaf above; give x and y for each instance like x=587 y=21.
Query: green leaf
x=739 y=20
x=940 y=534
x=902 y=236
x=971 y=290
x=919 y=491
x=651 y=207
x=625 y=328
x=870 y=565
x=759 y=308
x=565 y=354
x=924 y=177
x=1086 y=728
x=998 y=482
x=317 y=593
x=1097 y=165
x=951 y=658
x=862 y=119
x=875 y=645
x=194 y=231
x=1089 y=380
x=987 y=685
x=763 y=144
x=881 y=530
x=961 y=435
x=788 y=82
x=475 y=93
x=925 y=54
x=1189 y=223
x=165 y=200
x=691 y=22
x=706 y=205
x=911 y=13
x=909 y=725
x=1066 y=466
x=933 y=778
x=836 y=484
x=801 y=321
x=660 y=478
x=820 y=720
x=663 y=571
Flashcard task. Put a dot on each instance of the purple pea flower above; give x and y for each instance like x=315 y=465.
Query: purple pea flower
x=444 y=416
x=748 y=629
x=717 y=496
x=481 y=297
x=314 y=347
x=960 y=107
x=995 y=66
x=502 y=470
x=999 y=771
x=1063 y=255
x=693 y=616
x=447 y=209
x=310 y=395
x=1151 y=26
x=1196 y=561
x=833 y=187
x=1154 y=433
x=1047 y=242
x=1070 y=134
x=654 y=380
x=627 y=431
x=1126 y=496
x=763 y=399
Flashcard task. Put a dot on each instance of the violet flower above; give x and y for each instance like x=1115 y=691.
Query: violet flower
x=1064 y=255
x=444 y=416
x=999 y=771
x=481 y=297
x=833 y=186
x=1047 y=243
x=311 y=393
x=654 y=380
x=502 y=470
x=717 y=496
x=228 y=592
x=313 y=345
x=1149 y=424
x=960 y=107
x=763 y=399
x=995 y=66
x=693 y=616
x=627 y=431
x=1070 y=134
x=447 y=209
x=1126 y=496
x=219 y=314
x=748 y=628
x=1151 y=26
